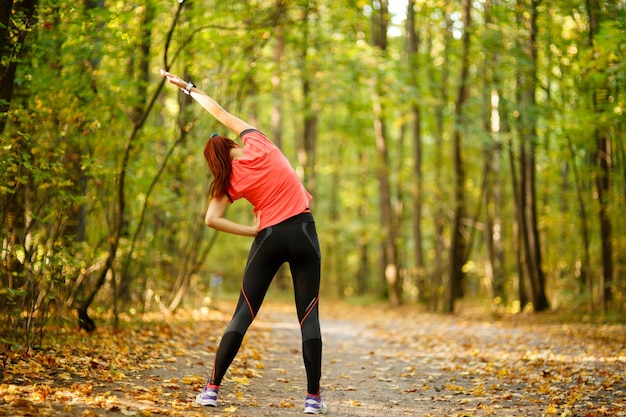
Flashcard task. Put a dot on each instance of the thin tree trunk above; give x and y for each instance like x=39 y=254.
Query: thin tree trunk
x=540 y=300
x=527 y=155
x=307 y=148
x=492 y=154
x=276 y=123
x=459 y=247
x=586 y=283
x=389 y=251
x=335 y=249
x=418 y=253
x=440 y=219
x=277 y=112
x=520 y=283
x=602 y=167
x=603 y=185
x=363 y=238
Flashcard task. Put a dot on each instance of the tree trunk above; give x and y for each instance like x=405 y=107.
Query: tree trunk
x=363 y=237
x=527 y=155
x=335 y=253
x=440 y=218
x=586 y=283
x=602 y=168
x=418 y=253
x=281 y=280
x=389 y=251
x=492 y=157
x=459 y=250
x=307 y=147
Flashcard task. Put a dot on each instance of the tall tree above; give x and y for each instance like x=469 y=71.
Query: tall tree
x=439 y=77
x=389 y=253
x=459 y=249
x=602 y=158
x=527 y=128
x=492 y=156
x=307 y=148
x=413 y=43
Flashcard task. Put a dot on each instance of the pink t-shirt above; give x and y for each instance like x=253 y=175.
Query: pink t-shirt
x=264 y=177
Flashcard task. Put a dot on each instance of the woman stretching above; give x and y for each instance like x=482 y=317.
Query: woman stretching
x=283 y=231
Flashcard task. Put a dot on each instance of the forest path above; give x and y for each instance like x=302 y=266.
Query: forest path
x=377 y=361
x=405 y=363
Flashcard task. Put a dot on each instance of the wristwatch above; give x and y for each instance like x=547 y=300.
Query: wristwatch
x=188 y=88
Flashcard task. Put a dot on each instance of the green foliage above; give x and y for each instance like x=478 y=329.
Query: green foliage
x=82 y=89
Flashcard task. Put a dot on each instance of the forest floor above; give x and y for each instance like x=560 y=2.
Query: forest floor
x=377 y=361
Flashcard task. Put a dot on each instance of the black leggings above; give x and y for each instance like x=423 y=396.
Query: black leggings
x=294 y=241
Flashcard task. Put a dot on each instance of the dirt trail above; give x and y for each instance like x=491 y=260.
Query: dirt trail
x=376 y=368
x=377 y=362
x=400 y=363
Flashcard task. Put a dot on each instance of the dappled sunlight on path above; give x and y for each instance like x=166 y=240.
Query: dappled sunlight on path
x=396 y=362
x=446 y=365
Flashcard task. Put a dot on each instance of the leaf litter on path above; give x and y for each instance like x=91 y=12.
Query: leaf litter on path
x=396 y=362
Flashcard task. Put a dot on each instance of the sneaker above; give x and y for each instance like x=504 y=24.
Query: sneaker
x=314 y=404
x=208 y=396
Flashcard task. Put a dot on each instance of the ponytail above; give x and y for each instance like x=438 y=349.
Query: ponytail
x=217 y=155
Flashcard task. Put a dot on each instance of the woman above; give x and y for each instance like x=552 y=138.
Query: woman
x=283 y=230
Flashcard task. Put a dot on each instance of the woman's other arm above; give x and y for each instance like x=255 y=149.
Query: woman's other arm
x=215 y=219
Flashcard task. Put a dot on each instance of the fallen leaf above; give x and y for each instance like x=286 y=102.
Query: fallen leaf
x=286 y=404
x=193 y=379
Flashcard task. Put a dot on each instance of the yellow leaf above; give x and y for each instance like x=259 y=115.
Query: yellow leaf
x=479 y=390
x=241 y=380
x=230 y=409
x=37 y=397
x=551 y=409
x=193 y=379
x=178 y=405
x=117 y=375
x=286 y=404
x=452 y=387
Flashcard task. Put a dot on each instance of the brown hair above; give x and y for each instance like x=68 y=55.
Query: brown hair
x=217 y=154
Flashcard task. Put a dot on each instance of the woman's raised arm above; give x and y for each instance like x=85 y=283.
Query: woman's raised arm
x=209 y=104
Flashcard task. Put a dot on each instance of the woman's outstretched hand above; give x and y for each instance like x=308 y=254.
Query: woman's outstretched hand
x=174 y=79
x=209 y=104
